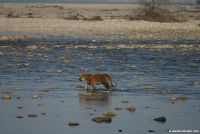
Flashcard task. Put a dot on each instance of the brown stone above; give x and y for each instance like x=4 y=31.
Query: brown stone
x=102 y=119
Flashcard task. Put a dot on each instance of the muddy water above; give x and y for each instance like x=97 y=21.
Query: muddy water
x=56 y=64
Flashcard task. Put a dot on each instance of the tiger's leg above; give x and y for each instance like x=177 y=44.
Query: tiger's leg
x=87 y=85
x=107 y=85
x=94 y=87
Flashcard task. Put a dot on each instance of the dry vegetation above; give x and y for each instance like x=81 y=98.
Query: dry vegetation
x=155 y=11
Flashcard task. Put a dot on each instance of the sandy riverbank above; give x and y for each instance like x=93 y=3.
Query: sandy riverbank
x=55 y=17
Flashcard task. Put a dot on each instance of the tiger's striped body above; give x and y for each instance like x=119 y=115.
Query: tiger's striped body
x=96 y=79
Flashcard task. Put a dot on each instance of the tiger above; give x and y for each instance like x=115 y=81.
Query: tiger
x=96 y=79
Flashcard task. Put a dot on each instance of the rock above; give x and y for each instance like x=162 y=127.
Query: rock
x=151 y=131
x=124 y=101
x=131 y=109
x=58 y=71
x=102 y=119
x=194 y=83
x=182 y=97
x=160 y=119
x=169 y=92
x=35 y=97
x=118 y=108
x=19 y=117
x=44 y=90
x=32 y=115
x=17 y=89
x=5 y=92
x=182 y=74
x=141 y=79
x=88 y=107
x=134 y=76
x=73 y=123
x=164 y=92
x=109 y=113
x=120 y=130
x=53 y=88
x=6 y=97
x=20 y=107
x=149 y=87
x=18 y=97
x=173 y=99
x=80 y=88
x=193 y=66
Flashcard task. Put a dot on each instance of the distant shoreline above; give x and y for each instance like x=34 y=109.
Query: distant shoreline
x=89 y=2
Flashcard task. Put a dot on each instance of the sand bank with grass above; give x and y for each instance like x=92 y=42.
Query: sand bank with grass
x=102 y=20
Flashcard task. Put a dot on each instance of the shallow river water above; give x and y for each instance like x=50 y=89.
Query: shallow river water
x=55 y=65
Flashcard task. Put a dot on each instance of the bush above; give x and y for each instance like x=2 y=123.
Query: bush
x=154 y=11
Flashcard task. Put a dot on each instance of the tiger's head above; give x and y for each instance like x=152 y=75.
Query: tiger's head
x=84 y=77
